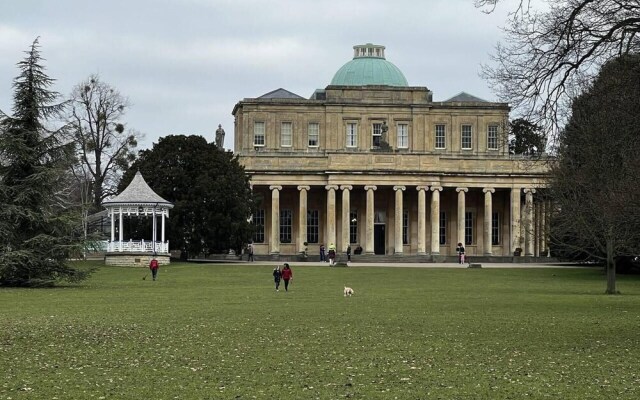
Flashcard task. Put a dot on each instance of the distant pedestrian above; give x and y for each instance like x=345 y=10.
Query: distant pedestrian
x=287 y=275
x=153 y=266
x=332 y=254
x=460 y=250
x=349 y=253
x=250 y=251
x=322 y=255
x=277 y=274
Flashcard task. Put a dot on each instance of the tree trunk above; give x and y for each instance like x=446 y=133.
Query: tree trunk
x=611 y=270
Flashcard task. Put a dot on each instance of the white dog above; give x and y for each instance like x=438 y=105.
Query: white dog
x=348 y=291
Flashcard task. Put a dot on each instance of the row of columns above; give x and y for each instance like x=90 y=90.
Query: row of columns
x=518 y=230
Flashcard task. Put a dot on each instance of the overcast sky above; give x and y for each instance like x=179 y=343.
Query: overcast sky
x=184 y=64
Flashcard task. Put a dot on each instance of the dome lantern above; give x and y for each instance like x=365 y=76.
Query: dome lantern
x=369 y=67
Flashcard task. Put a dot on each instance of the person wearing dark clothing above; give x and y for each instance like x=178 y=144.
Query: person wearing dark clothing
x=277 y=274
x=153 y=266
x=287 y=275
x=349 y=253
x=332 y=254
x=250 y=251
x=460 y=251
x=322 y=257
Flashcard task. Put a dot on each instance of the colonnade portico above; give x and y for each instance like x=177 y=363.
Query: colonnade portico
x=411 y=229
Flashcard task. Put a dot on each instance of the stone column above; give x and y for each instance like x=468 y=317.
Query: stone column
x=398 y=219
x=422 y=214
x=346 y=218
x=461 y=209
x=275 y=220
x=515 y=219
x=528 y=229
x=331 y=214
x=536 y=228
x=547 y=229
x=435 y=219
x=543 y=226
x=368 y=246
x=488 y=207
x=302 y=218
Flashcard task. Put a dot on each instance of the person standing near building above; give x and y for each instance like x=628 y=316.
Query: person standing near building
x=460 y=250
x=332 y=254
x=349 y=253
x=287 y=275
x=250 y=251
x=322 y=257
x=153 y=266
x=277 y=274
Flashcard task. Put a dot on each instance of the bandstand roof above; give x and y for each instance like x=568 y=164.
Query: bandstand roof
x=137 y=193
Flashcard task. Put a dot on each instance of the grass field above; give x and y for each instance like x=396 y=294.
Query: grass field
x=222 y=332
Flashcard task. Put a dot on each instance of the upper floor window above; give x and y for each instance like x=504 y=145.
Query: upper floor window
x=376 y=134
x=403 y=136
x=286 y=129
x=258 y=133
x=313 y=132
x=440 y=136
x=492 y=137
x=466 y=137
x=352 y=134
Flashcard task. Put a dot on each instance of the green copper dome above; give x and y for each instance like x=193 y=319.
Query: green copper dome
x=369 y=67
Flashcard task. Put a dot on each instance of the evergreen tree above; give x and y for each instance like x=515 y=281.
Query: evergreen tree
x=37 y=221
x=208 y=187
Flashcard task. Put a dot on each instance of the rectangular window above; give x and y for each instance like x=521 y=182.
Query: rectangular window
x=258 y=223
x=258 y=134
x=352 y=134
x=492 y=137
x=405 y=226
x=313 y=226
x=376 y=134
x=466 y=137
x=286 y=129
x=495 y=228
x=468 y=228
x=286 y=218
x=440 y=136
x=403 y=136
x=353 y=226
x=313 y=133
x=443 y=227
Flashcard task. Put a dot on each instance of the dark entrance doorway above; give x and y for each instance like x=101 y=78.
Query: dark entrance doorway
x=378 y=238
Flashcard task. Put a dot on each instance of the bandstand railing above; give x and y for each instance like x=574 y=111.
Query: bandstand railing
x=138 y=246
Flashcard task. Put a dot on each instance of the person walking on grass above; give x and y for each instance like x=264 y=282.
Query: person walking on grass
x=287 y=275
x=277 y=274
x=153 y=266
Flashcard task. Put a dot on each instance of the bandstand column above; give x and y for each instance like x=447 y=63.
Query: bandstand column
x=331 y=214
x=528 y=230
x=346 y=216
x=120 y=232
x=488 y=207
x=435 y=219
x=302 y=218
x=422 y=214
x=113 y=226
x=398 y=219
x=165 y=250
x=461 y=209
x=515 y=219
x=275 y=220
x=368 y=246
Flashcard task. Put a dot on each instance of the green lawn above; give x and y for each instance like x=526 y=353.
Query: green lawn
x=222 y=332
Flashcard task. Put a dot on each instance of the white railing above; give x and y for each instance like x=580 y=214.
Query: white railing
x=138 y=246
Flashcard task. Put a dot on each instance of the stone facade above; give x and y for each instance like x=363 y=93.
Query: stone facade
x=389 y=170
x=134 y=260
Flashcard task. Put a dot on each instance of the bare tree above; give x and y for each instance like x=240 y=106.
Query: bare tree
x=595 y=181
x=548 y=55
x=105 y=146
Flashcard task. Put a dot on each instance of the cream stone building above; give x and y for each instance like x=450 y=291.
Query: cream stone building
x=372 y=162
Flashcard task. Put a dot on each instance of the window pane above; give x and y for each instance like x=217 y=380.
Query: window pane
x=403 y=136
x=353 y=226
x=285 y=134
x=286 y=217
x=352 y=135
x=313 y=219
x=495 y=228
x=376 y=135
x=258 y=222
x=258 y=134
x=468 y=227
x=314 y=134
x=466 y=137
x=440 y=137
x=492 y=137
x=443 y=227
x=405 y=226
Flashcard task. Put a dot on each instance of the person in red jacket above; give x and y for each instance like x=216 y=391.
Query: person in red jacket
x=153 y=266
x=287 y=275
